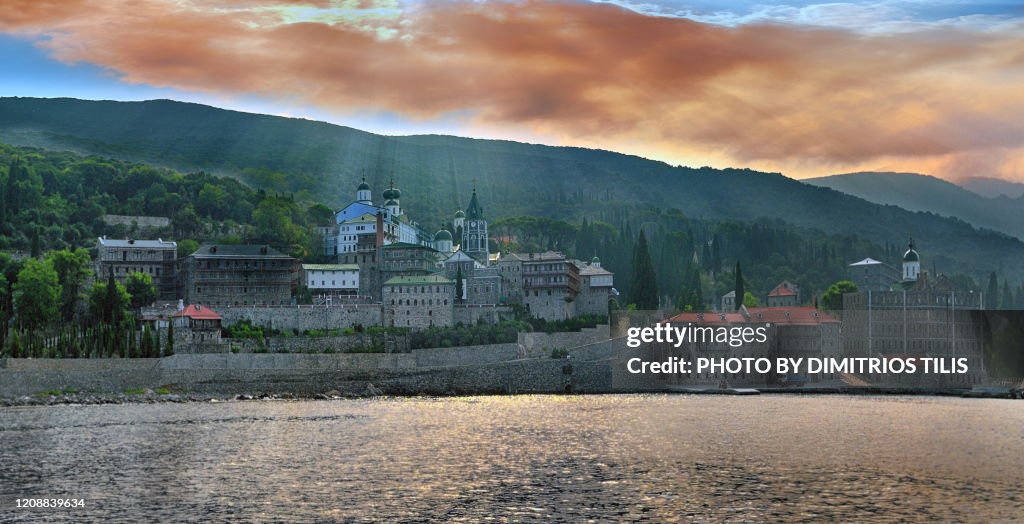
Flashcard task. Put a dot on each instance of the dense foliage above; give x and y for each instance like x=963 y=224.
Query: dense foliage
x=54 y=200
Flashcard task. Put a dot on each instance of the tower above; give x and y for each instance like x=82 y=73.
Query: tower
x=460 y=218
x=474 y=231
x=911 y=263
x=392 y=198
x=363 y=192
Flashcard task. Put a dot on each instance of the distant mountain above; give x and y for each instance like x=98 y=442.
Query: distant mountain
x=993 y=187
x=926 y=193
x=436 y=174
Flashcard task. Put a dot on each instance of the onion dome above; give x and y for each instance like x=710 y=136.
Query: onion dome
x=595 y=261
x=364 y=186
x=443 y=234
x=911 y=254
x=460 y=214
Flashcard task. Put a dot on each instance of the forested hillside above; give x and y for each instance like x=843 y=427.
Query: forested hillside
x=318 y=161
x=925 y=193
x=56 y=200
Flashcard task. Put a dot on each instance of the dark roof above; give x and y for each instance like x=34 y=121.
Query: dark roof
x=238 y=250
x=474 y=210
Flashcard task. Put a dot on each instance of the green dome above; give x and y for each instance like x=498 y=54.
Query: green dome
x=390 y=203
x=595 y=260
x=911 y=254
x=460 y=214
x=443 y=234
x=364 y=186
x=392 y=193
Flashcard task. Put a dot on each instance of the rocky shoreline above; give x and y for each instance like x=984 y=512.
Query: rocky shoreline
x=155 y=397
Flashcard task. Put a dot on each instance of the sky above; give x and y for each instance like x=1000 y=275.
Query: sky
x=803 y=88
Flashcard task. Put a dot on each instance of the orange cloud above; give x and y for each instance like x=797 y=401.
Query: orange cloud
x=802 y=100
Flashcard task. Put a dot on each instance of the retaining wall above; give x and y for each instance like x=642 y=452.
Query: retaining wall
x=304 y=317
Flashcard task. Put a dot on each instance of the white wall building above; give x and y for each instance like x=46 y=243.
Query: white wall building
x=332 y=279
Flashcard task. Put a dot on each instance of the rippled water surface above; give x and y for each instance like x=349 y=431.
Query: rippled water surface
x=527 y=458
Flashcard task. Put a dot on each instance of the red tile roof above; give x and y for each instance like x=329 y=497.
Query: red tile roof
x=782 y=290
x=197 y=312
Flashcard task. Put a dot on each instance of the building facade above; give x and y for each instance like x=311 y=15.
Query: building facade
x=419 y=302
x=331 y=279
x=596 y=288
x=786 y=294
x=238 y=275
x=156 y=258
x=551 y=283
x=918 y=317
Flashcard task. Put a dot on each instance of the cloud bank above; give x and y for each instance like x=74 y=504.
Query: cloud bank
x=805 y=100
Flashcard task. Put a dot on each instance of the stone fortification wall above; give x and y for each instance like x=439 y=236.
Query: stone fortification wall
x=304 y=317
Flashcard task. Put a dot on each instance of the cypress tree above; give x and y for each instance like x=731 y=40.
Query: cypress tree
x=716 y=255
x=1007 y=302
x=458 y=285
x=644 y=287
x=35 y=249
x=740 y=289
x=992 y=295
x=169 y=350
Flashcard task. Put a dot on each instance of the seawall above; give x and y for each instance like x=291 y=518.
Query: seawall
x=495 y=368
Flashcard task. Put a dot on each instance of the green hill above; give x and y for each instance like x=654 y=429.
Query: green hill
x=926 y=193
x=324 y=162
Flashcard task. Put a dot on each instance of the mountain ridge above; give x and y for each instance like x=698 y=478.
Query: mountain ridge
x=325 y=161
x=917 y=192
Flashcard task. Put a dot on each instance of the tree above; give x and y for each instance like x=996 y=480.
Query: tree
x=140 y=287
x=186 y=247
x=273 y=223
x=37 y=294
x=35 y=249
x=72 y=267
x=169 y=348
x=716 y=255
x=740 y=289
x=643 y=291
x=109 y=301
x=24 y=187
x=458 y=285
x=833 y=297
x=992 y=295
x=1007 y=301
x=750 y=300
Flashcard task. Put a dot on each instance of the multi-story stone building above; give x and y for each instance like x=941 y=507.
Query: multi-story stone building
x=510 y=268
x=480 y=284
x=419 y=301
x=551 y=283
x=402 y=259
x=919 y=317
x=155 y=258
x=238 y=275
x=596 y=288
